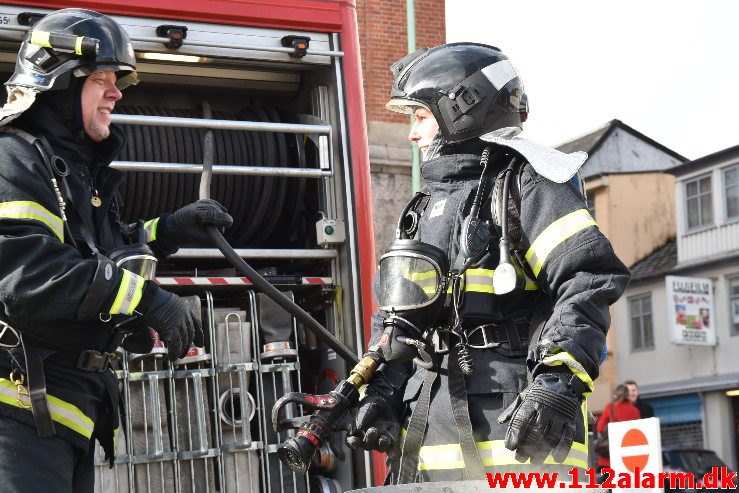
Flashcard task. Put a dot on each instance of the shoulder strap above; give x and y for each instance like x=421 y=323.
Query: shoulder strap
x=57 y=168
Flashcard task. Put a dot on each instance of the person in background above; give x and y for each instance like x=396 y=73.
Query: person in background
x=644 y=407
x=619 y=409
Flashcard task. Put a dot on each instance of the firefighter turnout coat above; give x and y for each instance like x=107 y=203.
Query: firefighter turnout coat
x=575 y=273
x=54 y=293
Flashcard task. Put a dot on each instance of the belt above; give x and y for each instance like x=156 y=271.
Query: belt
x=508 y=338
x=91 y=360
x=82 y=359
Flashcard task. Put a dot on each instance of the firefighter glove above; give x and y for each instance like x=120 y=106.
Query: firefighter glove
x=542 y=420
x=187 y=225
x=376 y=426
x=139 y=341
x=176 y=322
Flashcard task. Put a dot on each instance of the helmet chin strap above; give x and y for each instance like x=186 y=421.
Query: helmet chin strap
x=434 y=148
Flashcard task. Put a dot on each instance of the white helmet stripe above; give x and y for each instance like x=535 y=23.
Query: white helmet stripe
x=500 y=73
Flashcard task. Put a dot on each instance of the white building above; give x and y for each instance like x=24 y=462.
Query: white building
x=690 y=386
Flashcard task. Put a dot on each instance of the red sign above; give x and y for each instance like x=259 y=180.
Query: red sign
x=635 y=449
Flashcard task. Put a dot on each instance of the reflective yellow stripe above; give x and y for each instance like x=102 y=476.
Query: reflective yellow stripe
x=41 y=38
x=62 y=412
x=554 y=234
x=492 y=453
x=78 y=45
x=25 y=209
x=565 y=358
x=150 y=227
x=481 y=281
x=129 y=294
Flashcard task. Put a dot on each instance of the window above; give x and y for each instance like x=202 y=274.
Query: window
x=734 y=305
x=640 y=313
x=731 y=188
x=698 y=199
x=590 y=199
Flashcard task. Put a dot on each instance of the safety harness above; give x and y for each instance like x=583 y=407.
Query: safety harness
x=510 y=338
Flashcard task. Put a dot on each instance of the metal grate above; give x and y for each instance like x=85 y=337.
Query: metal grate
x=682 y=435
x=200 y=426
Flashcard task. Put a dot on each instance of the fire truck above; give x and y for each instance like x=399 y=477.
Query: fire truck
x=270 y=94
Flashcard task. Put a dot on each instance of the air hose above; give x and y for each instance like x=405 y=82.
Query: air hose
x=260 y=283
x=263 y=286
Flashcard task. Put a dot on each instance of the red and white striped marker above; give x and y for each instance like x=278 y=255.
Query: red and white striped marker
x=635 y=449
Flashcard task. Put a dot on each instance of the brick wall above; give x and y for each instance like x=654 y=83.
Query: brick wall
x=383 y=40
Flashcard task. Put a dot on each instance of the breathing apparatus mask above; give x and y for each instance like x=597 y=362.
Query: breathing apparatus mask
x=138 y=259
x=411 y=283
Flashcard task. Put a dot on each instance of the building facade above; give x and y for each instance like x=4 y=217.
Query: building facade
x=630 y=195
x=691 y=386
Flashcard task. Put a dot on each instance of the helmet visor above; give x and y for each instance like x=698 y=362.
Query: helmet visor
x=125 y=75
x=407 y=281
x=404 y=106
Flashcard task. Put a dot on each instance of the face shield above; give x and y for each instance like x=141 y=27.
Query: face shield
x=125 y=77
x=404 y=106
x=411 y=280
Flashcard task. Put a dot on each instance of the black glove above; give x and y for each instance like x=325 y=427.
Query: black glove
x=377 y=424
x=139 y=341
x=542 y=419
x=187 y=225
x=174 y=320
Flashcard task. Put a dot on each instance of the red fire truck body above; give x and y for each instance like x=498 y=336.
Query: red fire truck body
x=295 y=136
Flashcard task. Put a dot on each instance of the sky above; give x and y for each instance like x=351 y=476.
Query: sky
x=669 y=69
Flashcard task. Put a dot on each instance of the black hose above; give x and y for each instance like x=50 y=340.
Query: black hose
x=265 y=287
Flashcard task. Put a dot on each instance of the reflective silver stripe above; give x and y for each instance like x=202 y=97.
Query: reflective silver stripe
x=129 y=294
x=62 y=412
x=150 y=227
x=500 y=73
x=492 y=453
x=481 y=281
x=554 y=234
x=25 y=209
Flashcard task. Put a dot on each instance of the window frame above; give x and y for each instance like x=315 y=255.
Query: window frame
x=724 y=171
x=641 y=297
x=733 y=331
x=700 y=226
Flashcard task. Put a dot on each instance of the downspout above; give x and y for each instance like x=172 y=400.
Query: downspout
x=410 y=9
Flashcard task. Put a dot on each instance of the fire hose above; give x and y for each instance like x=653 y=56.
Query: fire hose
x=331 y=410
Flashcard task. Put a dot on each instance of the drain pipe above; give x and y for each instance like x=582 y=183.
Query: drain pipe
x=410 y=10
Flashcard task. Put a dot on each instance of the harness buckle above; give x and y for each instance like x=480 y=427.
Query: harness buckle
x=484 y=332
x=19 y=381
x=91 y=360
x=7 y=331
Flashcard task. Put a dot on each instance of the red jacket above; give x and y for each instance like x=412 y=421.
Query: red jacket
x=622 y=411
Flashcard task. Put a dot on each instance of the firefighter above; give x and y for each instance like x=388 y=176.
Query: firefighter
x=61 y=295
x=532 y=278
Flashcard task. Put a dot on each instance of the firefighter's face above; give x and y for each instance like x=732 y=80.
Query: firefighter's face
x=99 y=95
x=423 y=130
